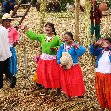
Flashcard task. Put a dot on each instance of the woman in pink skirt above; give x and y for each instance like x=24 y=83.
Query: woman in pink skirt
x=71 y=79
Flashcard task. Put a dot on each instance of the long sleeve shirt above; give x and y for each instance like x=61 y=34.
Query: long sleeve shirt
x=13 y=35
x=96 y=51
x=4 y=44
x=42 y=38
x=75 y=53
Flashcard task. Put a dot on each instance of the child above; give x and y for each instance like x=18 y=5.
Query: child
x=48 y=69
x=102 y=49
x=71 y=79
x=36 y=59
x=35 y=79
x=13 y=36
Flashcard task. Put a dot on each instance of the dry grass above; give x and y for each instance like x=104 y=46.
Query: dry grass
x=23 y=98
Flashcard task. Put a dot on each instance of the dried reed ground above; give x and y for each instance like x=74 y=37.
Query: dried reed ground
x=23 y=98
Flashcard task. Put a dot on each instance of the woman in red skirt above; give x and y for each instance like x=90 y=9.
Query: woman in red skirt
x=102 y=49
x=48 y=69
x=71 y=77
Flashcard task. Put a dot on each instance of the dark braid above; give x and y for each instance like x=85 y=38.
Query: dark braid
x=54 y=31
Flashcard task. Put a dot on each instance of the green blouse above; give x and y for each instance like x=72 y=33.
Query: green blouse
x=55 y=42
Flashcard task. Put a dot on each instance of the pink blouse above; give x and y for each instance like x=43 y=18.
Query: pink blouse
x=13 y=35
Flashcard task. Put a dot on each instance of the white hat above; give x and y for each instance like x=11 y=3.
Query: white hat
x=6 y=16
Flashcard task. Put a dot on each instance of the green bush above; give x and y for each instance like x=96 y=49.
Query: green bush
x=64 y=3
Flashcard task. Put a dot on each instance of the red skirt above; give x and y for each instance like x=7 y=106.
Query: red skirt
x=72 y=81
x=48 y=73
x=103 y=89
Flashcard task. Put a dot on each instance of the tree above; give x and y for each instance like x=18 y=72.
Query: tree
x=42 y=14
x=77 y=8
x=87 y=22
x=64 y=3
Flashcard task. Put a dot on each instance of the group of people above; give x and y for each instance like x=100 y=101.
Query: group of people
x=9 y=38
x=54 y=72
x=50 y=72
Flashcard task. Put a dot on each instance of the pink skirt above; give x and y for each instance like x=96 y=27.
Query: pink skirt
x=48 y=73
x=72 y=81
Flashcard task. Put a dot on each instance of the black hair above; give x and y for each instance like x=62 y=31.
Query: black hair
x=5 y=19
x=51 y=25
x=70 y=34
x=108 y=39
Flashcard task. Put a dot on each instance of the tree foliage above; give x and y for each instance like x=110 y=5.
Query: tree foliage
x=64 y=3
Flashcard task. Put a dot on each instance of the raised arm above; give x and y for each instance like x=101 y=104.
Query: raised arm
x=94 y=50
x=35 y=36
x=80 y=50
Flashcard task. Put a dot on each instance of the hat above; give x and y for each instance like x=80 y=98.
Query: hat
x=7 y=16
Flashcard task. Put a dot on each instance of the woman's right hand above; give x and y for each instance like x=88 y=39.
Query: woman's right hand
x=24 y=28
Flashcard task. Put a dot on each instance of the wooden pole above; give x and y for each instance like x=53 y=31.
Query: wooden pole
x=15 y=10
x=25 y=63
x=25 y=13
x=42 y=14
x=87 y=23
x=77 y=9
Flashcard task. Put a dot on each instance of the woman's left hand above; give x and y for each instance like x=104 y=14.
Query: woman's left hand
x=24 y=28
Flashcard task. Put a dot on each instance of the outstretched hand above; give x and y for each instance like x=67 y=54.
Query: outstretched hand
x=24 y=28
